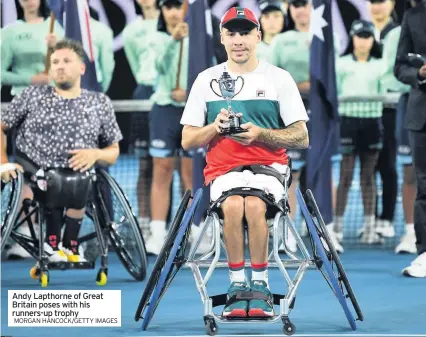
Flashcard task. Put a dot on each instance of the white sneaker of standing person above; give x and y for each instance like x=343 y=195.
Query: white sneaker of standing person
x=333 y=238
x=290 y=242
x=16 y=252
x=158 y=235
x=206 y=240
x=417 y=268
x=385 y=228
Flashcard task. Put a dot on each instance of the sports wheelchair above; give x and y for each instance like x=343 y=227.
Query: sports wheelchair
x=322 y=255
x=107 y=209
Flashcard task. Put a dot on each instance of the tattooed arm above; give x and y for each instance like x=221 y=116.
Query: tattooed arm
x=294 y=136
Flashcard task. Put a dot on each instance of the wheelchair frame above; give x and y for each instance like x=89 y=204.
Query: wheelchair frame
x=286 y=302
x=323 y=254
x=105 y=227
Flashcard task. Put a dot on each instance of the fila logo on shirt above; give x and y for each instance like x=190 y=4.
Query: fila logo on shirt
x=260 y=93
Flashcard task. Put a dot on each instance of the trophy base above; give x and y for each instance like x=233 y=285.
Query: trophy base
x=232 y=131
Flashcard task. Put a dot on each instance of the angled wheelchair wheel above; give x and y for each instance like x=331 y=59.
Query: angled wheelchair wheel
x=326 y=258
x=171 y=259
x=163 y=256
x=11 y=193
x=123 y=229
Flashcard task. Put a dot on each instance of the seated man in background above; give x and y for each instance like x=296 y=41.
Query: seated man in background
x=275 y=119
x=61 y=127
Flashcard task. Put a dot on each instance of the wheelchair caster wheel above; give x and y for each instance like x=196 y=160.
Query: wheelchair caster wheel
x=289 y=328
x=44 y=279
x=211 y=327
x=101 y=278
x=35 y=273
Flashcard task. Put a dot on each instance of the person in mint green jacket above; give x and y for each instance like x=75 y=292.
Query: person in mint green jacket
x=164 y=120
x=139 y=47
x=24 y=47
x=359 y=74
x=102 y=38
x=272 y=19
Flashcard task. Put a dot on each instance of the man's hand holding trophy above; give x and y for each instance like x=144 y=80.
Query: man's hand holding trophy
x=228 y=123
x=231 y=122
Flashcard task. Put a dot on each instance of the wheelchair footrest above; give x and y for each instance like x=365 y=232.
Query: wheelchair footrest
x=245 y=319
x=70 y=265
x=218 y=300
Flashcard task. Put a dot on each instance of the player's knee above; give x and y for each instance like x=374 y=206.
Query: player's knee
x=75 y=213
x=233 y=207
x=254 y=208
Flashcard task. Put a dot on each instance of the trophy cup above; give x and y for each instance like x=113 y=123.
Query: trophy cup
x=227 y=89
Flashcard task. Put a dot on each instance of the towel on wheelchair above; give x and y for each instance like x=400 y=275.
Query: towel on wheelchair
x=269 y=178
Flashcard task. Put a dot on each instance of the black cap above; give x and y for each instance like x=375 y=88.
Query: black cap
x=161 y=3
x=271 y=5
x=376 y=1
x=362 y=26
x=298 y=3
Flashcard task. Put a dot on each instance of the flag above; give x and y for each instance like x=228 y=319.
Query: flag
x=323 y=105
x=201 y=57
x=343 y=13
x=74 y=16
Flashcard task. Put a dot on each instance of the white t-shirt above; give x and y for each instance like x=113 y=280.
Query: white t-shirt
x=269 y=99
x=266 y=84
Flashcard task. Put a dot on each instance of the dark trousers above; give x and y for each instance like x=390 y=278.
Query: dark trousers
x=386 y=165
x=418 y=148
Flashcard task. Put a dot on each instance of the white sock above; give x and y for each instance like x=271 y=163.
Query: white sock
x=157 y=226
x=369 y=221
x=260 y=276
x=237 y=275
x=330 y=227
x=338 y=224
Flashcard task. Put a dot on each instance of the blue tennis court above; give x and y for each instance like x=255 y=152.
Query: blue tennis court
x=392 y=304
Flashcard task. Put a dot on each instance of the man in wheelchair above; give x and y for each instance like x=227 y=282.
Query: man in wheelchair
x=62 y=132
x=274 y=119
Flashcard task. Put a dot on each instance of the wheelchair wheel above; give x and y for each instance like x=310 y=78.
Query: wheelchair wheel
x=11 y=193
x=123 y=229
x=326 y=257
x=162 y=257
x=170 y=260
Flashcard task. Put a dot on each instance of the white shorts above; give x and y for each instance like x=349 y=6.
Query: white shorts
x=246 y=178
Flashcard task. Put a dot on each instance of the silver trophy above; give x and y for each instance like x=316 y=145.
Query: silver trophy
x=227 y=89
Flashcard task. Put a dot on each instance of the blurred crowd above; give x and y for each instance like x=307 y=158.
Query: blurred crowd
x=156 y=47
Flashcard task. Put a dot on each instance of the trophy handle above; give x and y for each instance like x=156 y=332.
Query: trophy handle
x=211 y=86
x=242 y=85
